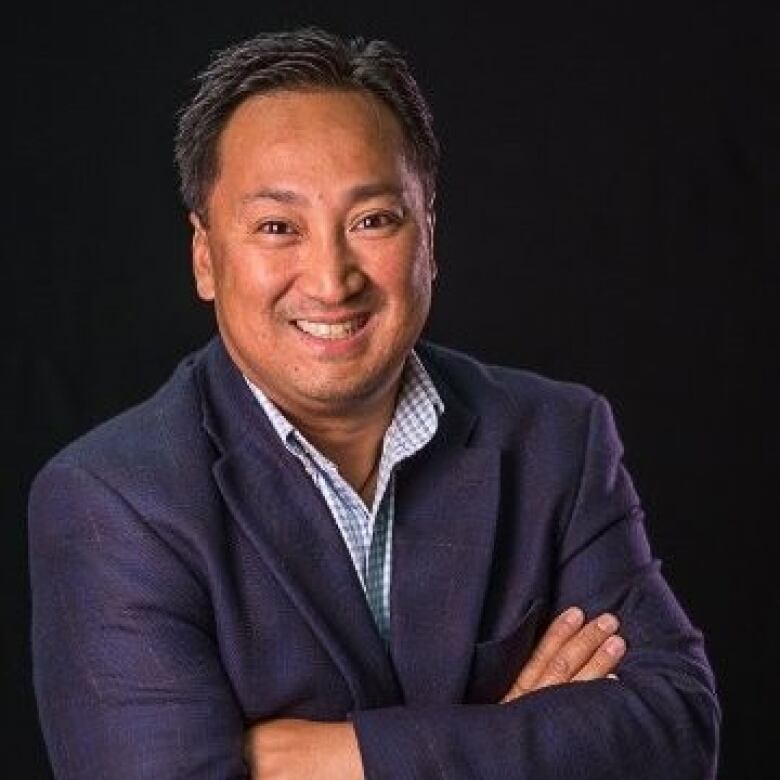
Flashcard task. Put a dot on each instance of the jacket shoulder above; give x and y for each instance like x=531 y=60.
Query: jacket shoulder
x=507 y=395
x=143 y=443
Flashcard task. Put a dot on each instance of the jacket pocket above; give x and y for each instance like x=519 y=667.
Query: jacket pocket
x=496 y=663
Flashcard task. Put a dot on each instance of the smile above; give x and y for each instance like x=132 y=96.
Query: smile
x=332 y=331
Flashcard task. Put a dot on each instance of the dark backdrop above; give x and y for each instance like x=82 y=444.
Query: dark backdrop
x=606 y=215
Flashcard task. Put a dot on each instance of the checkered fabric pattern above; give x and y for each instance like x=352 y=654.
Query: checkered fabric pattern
x=368 y=531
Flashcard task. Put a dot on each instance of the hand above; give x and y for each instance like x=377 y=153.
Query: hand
x=288 y=749
x=571 y=652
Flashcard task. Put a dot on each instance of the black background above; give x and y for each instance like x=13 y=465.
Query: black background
x=607 y=214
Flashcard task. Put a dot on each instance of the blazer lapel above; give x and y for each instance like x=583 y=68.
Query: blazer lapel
x=446 y=508
x=284 y=517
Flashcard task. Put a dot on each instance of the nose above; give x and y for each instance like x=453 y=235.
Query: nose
x=331 y=273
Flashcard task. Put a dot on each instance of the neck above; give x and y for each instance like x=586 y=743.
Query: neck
x=352 y=441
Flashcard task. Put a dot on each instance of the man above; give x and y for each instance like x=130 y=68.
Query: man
x=325 y=548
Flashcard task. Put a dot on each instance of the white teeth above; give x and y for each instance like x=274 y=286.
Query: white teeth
x=324 y=330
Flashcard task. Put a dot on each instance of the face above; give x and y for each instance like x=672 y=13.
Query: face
x=317 y=251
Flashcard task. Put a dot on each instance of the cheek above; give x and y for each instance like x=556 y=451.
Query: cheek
x=248 y=280
x=406 y=273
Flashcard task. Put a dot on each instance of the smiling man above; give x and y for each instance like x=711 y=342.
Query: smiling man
x=327 y=548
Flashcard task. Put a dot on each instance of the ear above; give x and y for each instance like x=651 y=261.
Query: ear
x=431 y=226
x=202 y=266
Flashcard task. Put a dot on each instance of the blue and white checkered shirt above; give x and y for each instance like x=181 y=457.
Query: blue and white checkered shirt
x=368 y=532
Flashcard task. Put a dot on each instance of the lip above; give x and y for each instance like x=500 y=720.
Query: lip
x=345 y=347
x=335 y=318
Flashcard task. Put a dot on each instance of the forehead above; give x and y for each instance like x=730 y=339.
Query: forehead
x=313 y=130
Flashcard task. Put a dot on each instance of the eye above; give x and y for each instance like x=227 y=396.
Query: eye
x=380 y=219
x=276 y=227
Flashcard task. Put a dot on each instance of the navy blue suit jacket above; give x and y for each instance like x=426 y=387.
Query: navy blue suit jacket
x=187 y=581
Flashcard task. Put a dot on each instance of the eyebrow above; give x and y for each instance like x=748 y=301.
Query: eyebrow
x=374 y=190
x=280 y=196
x=353 y=195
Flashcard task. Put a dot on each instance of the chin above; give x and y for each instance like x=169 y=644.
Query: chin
x=341 y=392
x=341 y=396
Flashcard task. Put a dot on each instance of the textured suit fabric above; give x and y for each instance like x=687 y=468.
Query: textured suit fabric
x=187 y=580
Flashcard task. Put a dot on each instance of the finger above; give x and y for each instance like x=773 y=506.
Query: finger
x=603 y=661
x=561 y=630
x=578 y=651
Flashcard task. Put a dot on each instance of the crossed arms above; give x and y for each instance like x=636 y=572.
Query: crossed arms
x=572 y=650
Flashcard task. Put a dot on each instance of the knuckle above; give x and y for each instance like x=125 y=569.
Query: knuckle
x=559 y=630
x=560 y=667
x=601 y=663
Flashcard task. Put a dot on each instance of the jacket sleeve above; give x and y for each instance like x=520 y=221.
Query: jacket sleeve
x=659 y=721
x=126 y=673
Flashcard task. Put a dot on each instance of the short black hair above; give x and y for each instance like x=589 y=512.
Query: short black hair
x=300 y=59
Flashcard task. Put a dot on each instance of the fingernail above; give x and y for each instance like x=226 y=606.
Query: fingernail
x=573 y=616
x=615 y=646
x=607 y=622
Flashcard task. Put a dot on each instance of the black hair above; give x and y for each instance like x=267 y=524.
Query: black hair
x=300 y=59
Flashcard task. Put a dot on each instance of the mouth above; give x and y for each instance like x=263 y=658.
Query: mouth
x=332 y=331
